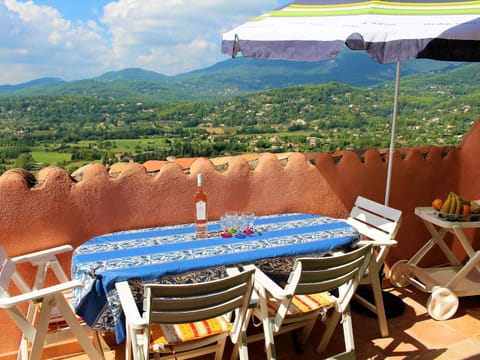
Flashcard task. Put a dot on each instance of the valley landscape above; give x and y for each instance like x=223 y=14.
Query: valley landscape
x=236 y=106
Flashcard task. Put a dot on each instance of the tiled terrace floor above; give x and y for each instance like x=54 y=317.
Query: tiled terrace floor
x=413 y=335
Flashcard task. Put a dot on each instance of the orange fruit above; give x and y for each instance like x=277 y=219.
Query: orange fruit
x=466 y=212
x=437 y=204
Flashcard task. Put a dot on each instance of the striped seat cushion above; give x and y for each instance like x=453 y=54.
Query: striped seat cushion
x=164 y=335
x=302 y=304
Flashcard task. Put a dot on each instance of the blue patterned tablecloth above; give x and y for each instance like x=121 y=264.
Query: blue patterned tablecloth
x=172 y=254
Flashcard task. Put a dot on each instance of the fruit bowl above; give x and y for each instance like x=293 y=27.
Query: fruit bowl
x=460 y=217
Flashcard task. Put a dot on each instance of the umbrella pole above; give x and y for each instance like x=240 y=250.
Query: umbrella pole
x=392 y=136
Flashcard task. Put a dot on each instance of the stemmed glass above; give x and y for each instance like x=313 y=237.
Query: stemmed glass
x=248 y=218
x=229 y=223
x=235 y=224
x=225 y=226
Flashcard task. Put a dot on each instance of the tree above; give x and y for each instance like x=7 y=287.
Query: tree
x=24 y=161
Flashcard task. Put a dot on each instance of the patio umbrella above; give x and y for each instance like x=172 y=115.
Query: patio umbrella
x=389 y=31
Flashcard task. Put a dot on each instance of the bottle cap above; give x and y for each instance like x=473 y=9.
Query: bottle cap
x=200 y=180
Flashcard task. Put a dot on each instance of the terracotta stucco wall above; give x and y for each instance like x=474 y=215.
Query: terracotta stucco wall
x=54 y=209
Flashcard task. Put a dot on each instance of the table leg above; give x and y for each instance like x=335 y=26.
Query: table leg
x=463 y=272
x=438 y=236
x=465 y=243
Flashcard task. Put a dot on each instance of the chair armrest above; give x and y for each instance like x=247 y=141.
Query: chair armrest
x=42 y=256
x=8 y=302
x=374 y=243
x=130 y=309
x=263 y=281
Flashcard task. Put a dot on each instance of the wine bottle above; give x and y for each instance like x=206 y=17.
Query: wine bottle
x=200 y=200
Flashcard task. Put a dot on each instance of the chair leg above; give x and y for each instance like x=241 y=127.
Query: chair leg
x=128 y=342
x=97 y=343
x=269 y=340
x=236 y=351
x=348 y=330
x=23 y=349
x=306 y=331
x=241 y=347
x=330 y=328
x=42 y=327
x=76 y=328
x=267 y=323
x=32 y=311
x=220 y=349
x=299 y=341
x=241 y=344
x=379 y=305
x=133 y=348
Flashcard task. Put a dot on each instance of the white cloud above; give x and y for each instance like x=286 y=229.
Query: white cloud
x=173 y=36
x=36 y=41
x=167 y=36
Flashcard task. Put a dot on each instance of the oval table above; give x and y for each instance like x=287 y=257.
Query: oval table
x=172 y=254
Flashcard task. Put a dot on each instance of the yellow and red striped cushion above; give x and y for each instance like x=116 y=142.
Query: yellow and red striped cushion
x=162 y=335
x=302 y=304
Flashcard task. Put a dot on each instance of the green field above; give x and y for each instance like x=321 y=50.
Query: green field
x=120 y=145
x=52 y=158
x=43 y=155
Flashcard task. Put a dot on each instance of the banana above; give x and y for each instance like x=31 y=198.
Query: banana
x=447 y=204
x=453 y=203
x=450 y=203
x=453 y=208
x=458 y=209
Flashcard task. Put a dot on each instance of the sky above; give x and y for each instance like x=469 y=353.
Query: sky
x=80 y=39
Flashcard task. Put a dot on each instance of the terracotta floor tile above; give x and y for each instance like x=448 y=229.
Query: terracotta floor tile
x=467 y=349
x=466 y=325
x=413 y=299
x=434 y=333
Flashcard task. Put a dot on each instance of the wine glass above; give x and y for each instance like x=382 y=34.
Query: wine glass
x=225 y=224
x=248 y=219
x=232 y=219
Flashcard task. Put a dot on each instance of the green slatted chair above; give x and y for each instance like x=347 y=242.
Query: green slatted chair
x=308 y=294
x=187 y=320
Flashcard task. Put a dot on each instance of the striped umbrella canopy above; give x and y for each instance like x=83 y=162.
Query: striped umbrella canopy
x=389 y=31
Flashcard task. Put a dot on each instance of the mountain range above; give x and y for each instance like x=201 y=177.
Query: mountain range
x=231 y=77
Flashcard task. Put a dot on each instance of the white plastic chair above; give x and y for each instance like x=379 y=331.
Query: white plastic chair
x=170 y=311
x=49 y=318
x=378 y=224
x=308 y=294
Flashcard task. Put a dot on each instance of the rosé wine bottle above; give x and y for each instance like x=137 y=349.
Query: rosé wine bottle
x=200 y=200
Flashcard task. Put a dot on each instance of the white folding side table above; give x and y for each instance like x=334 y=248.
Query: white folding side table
x=445 y=283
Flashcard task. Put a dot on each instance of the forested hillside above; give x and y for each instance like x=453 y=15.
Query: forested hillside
x=230 y=77
x=71 y=130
